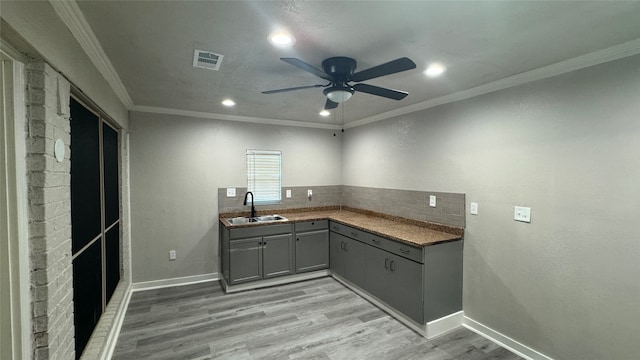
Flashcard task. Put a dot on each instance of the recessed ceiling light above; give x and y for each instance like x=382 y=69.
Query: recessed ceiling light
x=228 y=102
x=281 y=38
x=435 y=70
x=324 y=113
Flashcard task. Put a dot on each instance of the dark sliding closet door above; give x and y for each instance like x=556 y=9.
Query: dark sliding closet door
x=95 y=218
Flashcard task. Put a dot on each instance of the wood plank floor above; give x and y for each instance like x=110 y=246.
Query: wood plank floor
x=315 y=319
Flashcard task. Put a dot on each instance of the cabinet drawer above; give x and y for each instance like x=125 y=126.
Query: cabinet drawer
x=311 y=225
x=407 y=251
x=348 y=231
x=259 y=230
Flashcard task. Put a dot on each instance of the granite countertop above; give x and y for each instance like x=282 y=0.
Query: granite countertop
x=412 y=232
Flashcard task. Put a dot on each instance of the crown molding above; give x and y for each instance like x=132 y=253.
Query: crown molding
x=248 y=119
x=616 y=52
x=72 y=16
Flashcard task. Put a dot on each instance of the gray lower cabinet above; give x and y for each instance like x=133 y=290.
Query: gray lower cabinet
x=396 y=281
x=256 y=253
x=245 y=260
x=347 y=258
x=276 y=256
x=312 y=250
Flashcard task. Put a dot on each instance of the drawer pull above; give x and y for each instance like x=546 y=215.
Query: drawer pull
x=313 y=223
x=391 y=267
x=377 y=242
x=405 y=251
x=386 y=263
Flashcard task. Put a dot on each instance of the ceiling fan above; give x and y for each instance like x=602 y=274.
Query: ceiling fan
x=340 y=71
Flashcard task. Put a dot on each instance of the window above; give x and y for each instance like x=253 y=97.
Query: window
x=264 y=175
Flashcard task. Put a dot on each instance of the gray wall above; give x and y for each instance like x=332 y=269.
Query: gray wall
x=177 y=166
x=567 y=284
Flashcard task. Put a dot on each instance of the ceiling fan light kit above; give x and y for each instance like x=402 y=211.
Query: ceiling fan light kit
x=338 y=94
x=340 y=71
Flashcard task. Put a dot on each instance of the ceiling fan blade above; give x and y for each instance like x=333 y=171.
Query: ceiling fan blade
x=306 y=67
x=391 y=67
x=292 y=89
x=330 y=105
x=384 y=92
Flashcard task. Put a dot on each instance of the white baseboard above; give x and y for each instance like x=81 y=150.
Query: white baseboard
x=114 y=332
x=164 y=283
x=275 y=281
x=503 y=340
x=444 y=325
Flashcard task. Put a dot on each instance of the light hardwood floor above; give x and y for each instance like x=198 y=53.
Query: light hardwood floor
x=315 y=319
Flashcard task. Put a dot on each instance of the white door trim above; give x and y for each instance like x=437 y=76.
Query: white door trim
x=14 y=172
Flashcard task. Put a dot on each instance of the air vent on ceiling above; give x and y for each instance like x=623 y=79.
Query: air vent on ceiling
x=207 y=60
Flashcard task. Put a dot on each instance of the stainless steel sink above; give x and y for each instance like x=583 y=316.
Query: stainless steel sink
x=257 y=219
x=240 y=220
x=270 y=218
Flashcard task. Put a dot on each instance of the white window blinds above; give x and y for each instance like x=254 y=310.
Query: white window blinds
x=264 y=175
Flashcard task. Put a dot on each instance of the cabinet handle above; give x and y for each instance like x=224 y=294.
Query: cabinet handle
x=297 y=239
x=354 y=234
x=386 y=263
x=405 y=251
x=377 y=242
x=313 y=223
x=391 y=265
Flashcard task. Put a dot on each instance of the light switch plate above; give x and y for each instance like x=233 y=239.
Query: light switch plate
x=288 y=193
x=432 y=200
x=231 y=192
x=521 y=213
x=172 y=254
x=474 y=209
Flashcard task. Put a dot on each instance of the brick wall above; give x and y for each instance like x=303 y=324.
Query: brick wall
x=49 y=213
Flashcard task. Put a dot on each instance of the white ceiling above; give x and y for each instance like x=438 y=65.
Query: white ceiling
x=150 y=45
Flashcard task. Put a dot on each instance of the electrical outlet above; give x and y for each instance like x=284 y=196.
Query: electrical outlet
x=432 y=200
x=172 y=254
x=288 y=193
x=521 y=213
x=309 y=192
x=231 y=192
x=474 y=209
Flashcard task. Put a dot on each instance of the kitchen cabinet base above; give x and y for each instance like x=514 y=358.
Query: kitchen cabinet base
x=429 y=330
x=272 y=282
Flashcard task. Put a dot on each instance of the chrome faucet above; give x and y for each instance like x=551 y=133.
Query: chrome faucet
x=253 y=209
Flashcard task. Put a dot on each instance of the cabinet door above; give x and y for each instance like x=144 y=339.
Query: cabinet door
x=276 y=255
x=337 y=256
x=405 y=287
x=245 y=260
x=354 y=263
x=377 y=273
x=312 y=251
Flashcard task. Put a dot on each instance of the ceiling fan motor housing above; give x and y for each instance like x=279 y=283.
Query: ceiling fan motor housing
x=340 y=68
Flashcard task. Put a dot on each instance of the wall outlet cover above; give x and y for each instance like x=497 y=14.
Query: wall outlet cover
x=231 y=192
x=521 y=213
x=309 y=192
x=432 y=200
x=288 y=193
x=172 y=254
x=474 y=208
